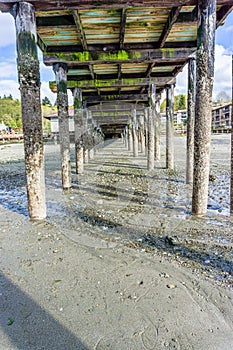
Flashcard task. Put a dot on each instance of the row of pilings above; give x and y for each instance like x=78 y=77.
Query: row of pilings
x=199 y=105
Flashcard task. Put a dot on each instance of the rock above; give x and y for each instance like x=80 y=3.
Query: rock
x=171 y=286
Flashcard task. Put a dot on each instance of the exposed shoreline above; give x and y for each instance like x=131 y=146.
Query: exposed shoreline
x=119 y=263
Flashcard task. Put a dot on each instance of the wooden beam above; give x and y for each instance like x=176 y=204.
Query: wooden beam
x=130 y=98
x=124 y=76
x=88 y=84
x=5 y=5
x=168 y=26
x=81 y=34
x=84 y=58
x=101 y=48
x=222 y=13
x=148 y=73
x=122 y=29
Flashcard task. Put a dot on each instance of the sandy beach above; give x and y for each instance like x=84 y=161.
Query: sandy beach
x=119 y=263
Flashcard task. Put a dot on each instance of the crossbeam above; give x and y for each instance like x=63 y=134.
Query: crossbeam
x=119 y=56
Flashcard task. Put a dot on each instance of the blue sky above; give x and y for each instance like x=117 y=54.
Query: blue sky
x=8 y=68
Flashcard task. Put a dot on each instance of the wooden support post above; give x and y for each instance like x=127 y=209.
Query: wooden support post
x=157 y=129
x=29 y=80
x=203 y=106
x=130 y=136
x=231 y=191
x=85 y=136
x=151 y=128
x=142 y=134
x=91 y=153
x=78 y=130
x=126 y=136
x=146 y=112
x=134 y=132
x=169 y=127
x=190 y=120
x=60 y=70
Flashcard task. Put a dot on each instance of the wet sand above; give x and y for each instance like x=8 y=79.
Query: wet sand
x=120 y=263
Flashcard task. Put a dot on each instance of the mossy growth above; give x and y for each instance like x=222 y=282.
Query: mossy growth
x=26 y=44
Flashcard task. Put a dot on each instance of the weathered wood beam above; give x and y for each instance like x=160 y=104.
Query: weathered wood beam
x=29 y=80
x=87 y=84
x=128 y=98
x=168 y=26
x=95 y=48
x=60 y=71
x=203 y=104
x=80 y=31
x=222 y=14
x=156 y=56
x=82 y=37
x=124 y=76
x=122 y=29
x=190 y=120
x=5 y=5
x=148 y=73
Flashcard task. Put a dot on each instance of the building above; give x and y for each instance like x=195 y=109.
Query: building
x=221 y=118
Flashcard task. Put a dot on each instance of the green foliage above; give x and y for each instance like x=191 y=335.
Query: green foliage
x=10 y=112
x=46 y=102
x=180 y=102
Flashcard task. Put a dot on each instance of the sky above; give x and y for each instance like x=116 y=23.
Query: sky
x=8 y=67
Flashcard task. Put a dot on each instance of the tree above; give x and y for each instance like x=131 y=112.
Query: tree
x=222 y=97
x=181 y=103
x=46 y=102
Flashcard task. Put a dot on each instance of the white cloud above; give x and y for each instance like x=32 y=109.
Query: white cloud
x=223 y=71
x=45 y=91
x=222 y=75
x=9 y=87
x=8 y=70
x=7 y=32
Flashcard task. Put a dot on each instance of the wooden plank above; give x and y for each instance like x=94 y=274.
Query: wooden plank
x=168 y=26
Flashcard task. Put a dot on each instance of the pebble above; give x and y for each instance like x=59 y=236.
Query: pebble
x=171 y=286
